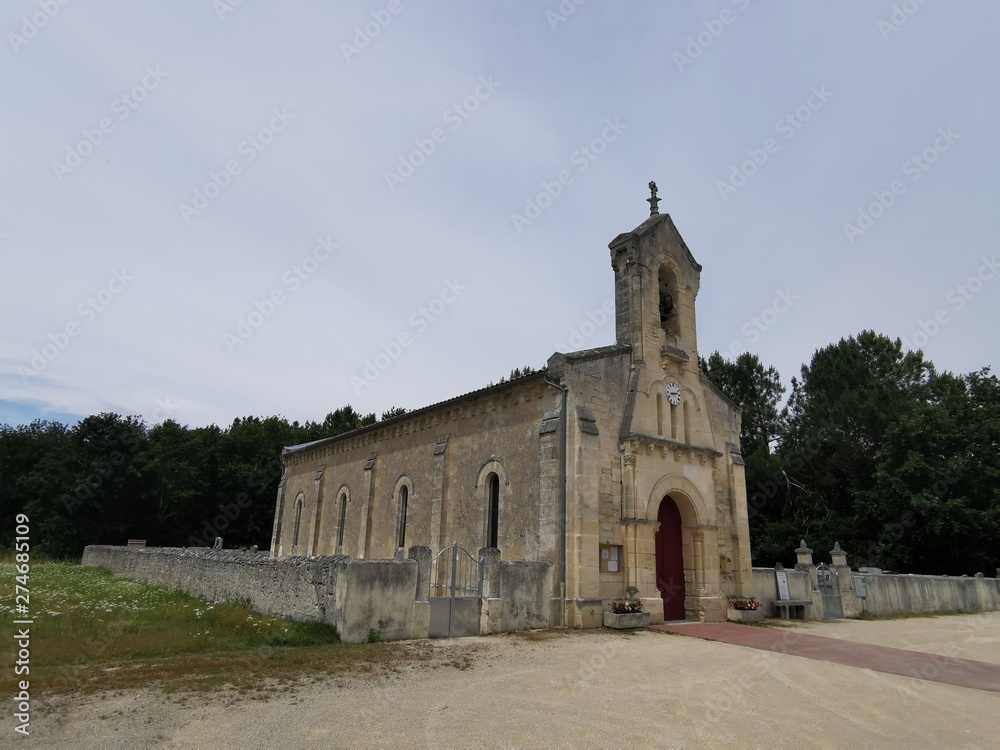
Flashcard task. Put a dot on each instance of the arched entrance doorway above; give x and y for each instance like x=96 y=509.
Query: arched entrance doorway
x=670 y=560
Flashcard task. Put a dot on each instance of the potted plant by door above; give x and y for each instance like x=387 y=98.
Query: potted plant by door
x=626 y=613
x=744 y=609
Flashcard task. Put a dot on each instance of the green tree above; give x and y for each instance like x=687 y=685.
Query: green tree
x=758 y=391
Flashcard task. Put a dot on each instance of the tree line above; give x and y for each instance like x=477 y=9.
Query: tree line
x=873 y=448
x=110 y=478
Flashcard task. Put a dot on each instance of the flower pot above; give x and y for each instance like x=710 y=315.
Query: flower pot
x=744 y=615
x=628 y=620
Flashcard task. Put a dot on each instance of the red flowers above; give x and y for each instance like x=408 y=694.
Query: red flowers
x=626 y=606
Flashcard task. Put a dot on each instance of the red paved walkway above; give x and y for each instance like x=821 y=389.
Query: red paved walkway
x=933 y=667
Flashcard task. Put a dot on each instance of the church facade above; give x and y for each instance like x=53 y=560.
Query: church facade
x=618 y=465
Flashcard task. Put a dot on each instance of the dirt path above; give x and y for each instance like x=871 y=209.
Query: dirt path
x=590 y=689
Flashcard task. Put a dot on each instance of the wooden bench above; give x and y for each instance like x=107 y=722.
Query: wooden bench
x=136 y=542
x=791 y=609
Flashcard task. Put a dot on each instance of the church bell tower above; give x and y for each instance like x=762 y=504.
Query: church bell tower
x=656 y=283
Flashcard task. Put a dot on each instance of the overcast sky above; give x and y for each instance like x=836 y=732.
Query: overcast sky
x=220 y=209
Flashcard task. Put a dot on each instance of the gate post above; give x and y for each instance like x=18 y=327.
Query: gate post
x=421 y=605
x=490 y=619
x=422 y=556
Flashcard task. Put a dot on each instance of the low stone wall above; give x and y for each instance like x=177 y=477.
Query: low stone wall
x=293 y=588
x=894 y=594
x=525 y=588
x=374 y=595
x=888 y=593
x=356 y=596
x=765 y=587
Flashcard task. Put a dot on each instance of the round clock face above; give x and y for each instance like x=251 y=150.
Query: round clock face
x=673 y=393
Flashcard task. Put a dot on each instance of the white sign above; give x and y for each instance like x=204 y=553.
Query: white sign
x=782 y=577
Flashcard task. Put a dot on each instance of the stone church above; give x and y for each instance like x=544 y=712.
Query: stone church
x=619 y=465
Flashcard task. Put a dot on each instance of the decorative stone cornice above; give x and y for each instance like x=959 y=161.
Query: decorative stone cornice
x=429 y=418
x=667 y=445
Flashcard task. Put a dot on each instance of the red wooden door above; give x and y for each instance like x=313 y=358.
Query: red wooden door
x=670 y=560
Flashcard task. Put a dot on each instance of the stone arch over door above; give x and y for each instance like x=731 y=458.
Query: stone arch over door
x=678 y=564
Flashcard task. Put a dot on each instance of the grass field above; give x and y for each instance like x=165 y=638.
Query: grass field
x=93 y=630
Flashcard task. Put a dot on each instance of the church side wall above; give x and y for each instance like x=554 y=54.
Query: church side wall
x=444 y=457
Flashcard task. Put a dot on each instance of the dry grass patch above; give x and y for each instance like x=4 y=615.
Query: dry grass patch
x=95 y=631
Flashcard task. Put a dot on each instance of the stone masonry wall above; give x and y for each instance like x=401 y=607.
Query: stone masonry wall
x=888 y=594
x=355 y=596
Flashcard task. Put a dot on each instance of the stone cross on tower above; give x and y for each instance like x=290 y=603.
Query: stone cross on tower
x=652 y=200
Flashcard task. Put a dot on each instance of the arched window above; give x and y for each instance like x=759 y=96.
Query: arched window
x=343 y=520
x=659 y=414
x=490 y=483
x=404 y=494
x=298 y=522
x=493 y=511
x=668 y=301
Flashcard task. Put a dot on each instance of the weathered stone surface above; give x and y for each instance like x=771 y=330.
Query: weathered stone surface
x=626 y=620
x=585 y=453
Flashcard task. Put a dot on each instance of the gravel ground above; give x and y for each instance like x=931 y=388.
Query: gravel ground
x=578 y=689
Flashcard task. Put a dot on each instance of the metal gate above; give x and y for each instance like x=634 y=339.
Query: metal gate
x=456 y=593
x=829 y=588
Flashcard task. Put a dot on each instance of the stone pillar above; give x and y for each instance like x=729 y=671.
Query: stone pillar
x=367 y=487
x=279 y=512
x=628 y=486
x=698 y=537
x=838 y=558
x=422 y=556
x=551 y=530
x=637 y=339
x=437 y=494
x=804 y=561
x=317 y=515
x=490 y=620
x=420 y=627
x=490 y=560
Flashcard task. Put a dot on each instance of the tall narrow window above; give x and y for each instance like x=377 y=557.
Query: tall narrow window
x=493 y=512
x=403 y=497
x=298 y=522
x=659 y=414
x=343 y=520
